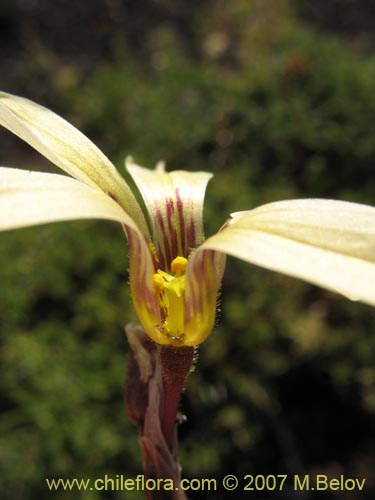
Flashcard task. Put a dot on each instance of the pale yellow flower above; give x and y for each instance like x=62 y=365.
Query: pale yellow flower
x=175 y=274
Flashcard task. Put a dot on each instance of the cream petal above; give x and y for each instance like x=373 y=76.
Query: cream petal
x=67 y=148
x=175 y=202
x=340 y=226
x=30 y=198
x=325 y=242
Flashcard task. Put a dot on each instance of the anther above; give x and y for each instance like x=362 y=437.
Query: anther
x=158 y=283
x=178 y=265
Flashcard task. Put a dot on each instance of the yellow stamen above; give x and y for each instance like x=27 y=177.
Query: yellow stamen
x=158 y=283
x=171 y=297
x=178 y=265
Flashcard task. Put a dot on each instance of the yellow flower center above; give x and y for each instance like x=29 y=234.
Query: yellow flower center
x=170 y=290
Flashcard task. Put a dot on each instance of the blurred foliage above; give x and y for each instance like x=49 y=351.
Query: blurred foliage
x=276 y=111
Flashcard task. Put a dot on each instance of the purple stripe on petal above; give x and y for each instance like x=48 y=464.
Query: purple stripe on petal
x=191 y=234
x=172 y=229
x=140 y=273
x=181 y=218
x=203 y=279
x=170 y=207
x=162 y=249
x=168 y=252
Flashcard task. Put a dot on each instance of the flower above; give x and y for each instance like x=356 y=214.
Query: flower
x=175 y=274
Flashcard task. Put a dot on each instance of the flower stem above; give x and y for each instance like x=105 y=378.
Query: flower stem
x=176 y=363
x=155 y=380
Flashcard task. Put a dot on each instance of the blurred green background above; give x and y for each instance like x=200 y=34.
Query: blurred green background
x=276 y=98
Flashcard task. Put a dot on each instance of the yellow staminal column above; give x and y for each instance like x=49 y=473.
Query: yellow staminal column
x=170 y=289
